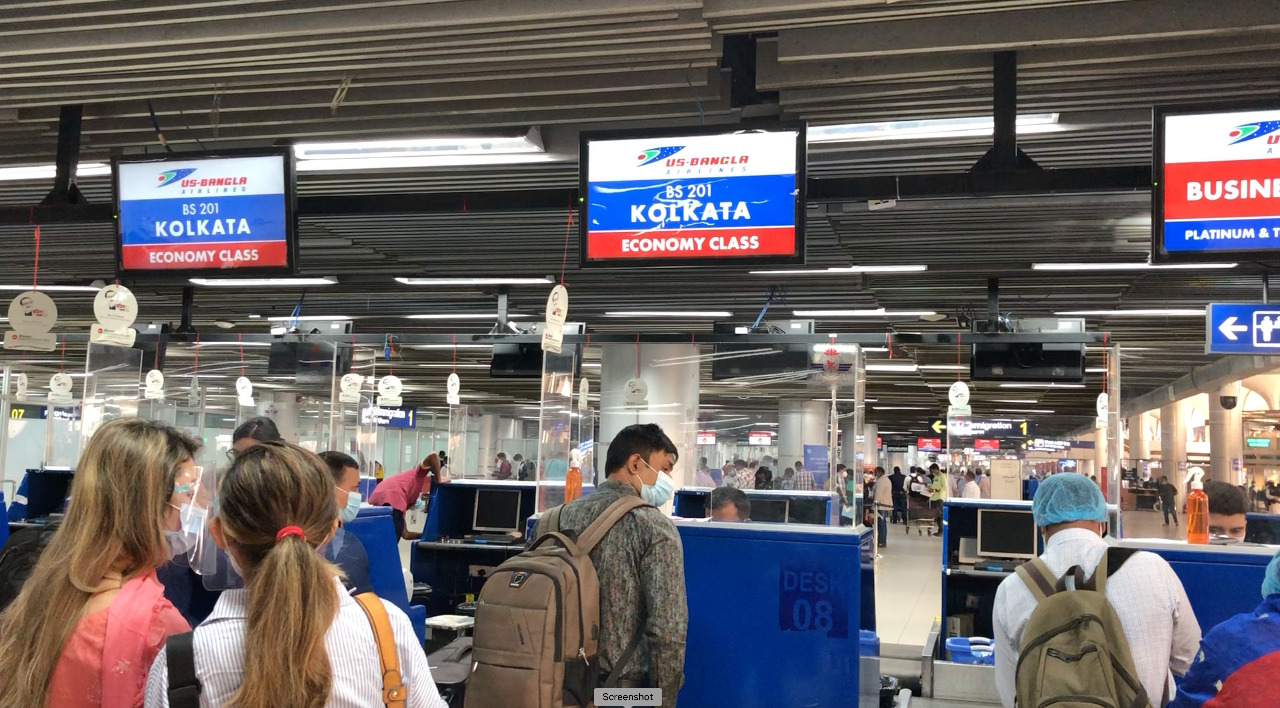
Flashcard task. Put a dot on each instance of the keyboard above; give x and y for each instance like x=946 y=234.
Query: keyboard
x=494 y=538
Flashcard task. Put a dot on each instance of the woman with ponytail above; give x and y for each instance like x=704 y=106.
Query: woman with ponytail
x=293 y=637
x=92 y=616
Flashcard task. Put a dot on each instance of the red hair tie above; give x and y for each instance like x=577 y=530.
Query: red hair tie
x=290 y=531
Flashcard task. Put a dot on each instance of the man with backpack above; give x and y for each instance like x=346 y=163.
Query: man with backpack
x=631 y=590
x=1088 y=619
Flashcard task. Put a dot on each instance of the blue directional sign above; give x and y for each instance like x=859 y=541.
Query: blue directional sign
x=1235 y=328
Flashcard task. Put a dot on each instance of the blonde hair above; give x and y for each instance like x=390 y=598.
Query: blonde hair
x=122 y=484
x=292 y=596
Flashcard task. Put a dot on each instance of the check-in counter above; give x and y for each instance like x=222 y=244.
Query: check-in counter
x=776 y=615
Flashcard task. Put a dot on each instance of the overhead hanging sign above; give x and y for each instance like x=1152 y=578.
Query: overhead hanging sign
x=453 y=390
x=958 y=394
x=349 y=388
x=1241 y=328
x=244 y=391
x=759 y=437
x=706 y=437
x=557 y=312
x=986 y=445
x=404 y=417
x=985 y=428
x=1261 y=443
x=31 y=315
x=115 y=308
x=389 y=390
x=1217 y=184
x=929 y=444
x=60 y=388
x=693 y=196
x=212 y=213
x=154 y=385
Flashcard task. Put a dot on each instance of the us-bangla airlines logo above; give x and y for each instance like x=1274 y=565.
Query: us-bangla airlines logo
x=648 y=157
x=172 y=176
x=1250 y=131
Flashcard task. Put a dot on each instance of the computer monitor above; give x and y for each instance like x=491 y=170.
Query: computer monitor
x=769 y=510
x=808 y=510
x=497 y=510
x=1006 y=533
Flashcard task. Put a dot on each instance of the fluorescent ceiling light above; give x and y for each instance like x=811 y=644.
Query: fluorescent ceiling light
x=897 y=368
x=451 y=346
x=1156 y=312
x=973 y=126
x=861 y=313
x=1096 y=370
x=1016 y=401
x=848 y=269
x=53 y=288
x=263 y=282
x=944 y=367
x=254 y=316
x=1040 y=385
x=42 y=172
x=530 y=142
x=452 y=366
x=668 y=313
x=476 y=281
x=848 y=348
x=595 y=365
x=231 y=344
x=902 y=408
x=460 y=316
x=1021 y=410
x=306 y=318
x=1128 y=266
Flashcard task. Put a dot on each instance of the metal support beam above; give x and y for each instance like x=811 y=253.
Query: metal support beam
x=504 y=298
x=1266 y=287
x=65 y=191
x=1004 y=153
x=993 y=304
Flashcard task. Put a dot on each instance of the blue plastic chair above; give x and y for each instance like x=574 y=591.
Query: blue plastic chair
x=374 y=528
x=18 y=509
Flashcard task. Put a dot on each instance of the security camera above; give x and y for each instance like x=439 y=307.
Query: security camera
x=1228 y=402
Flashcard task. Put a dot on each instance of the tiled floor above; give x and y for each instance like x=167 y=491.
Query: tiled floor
x=908 y=587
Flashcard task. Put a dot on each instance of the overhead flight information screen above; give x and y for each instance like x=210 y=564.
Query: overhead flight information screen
x=1217 y=185
x=693 y=197
x=204 y=213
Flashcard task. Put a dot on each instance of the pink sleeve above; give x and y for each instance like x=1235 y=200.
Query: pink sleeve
x=166 y=621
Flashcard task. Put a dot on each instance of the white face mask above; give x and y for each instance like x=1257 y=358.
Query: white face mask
x=349 y=512
x=191 y=526
x=660 y=491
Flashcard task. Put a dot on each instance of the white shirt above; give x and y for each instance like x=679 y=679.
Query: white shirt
x=353 y=658
x=883 y=491
x=972 y=490
x=1148 y=598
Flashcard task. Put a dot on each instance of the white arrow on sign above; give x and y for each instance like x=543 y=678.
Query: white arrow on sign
x=1231 y=329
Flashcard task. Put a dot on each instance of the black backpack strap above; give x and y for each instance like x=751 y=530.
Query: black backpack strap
x=180 y=658
x=616 y=674
x=1111 y=561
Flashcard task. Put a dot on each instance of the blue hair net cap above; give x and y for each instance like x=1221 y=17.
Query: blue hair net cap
x=1067 y=497
x=1271 y=583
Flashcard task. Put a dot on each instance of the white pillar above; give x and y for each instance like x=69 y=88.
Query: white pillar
x=801 y=423
x=671 y=373
x=488 y=442
x=1139 y=445
x=848 y=441
x=1226 y=457
x=869 y=434
x=1099 y=452
x=1173 y=446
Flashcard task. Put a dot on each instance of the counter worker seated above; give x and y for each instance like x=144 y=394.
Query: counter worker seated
x=1240 y=658
x=346 y=550
x=1148 y=598
x=640 y=562
x=404 y=491
x=1227 y=509
x=730 y=504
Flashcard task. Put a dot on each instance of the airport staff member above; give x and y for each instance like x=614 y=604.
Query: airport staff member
x=1148 y=598
x=730 y=504
x=403 y=490
x=640 y=562
x=1239 y=658
x=1228 y=507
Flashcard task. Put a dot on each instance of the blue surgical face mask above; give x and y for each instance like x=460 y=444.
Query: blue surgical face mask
x=660 y=491
x=349 y=512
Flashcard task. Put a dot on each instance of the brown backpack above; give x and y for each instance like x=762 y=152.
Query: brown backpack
x=538 y=623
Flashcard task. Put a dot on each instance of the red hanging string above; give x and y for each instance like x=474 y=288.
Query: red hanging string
x=568 y=227
x=35 y=269
x=240 y=337
x=888 y=341
x=195 y=369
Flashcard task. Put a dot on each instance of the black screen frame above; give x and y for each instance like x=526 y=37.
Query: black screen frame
x=1158 y=253
x=802 y=158
x=184 y=274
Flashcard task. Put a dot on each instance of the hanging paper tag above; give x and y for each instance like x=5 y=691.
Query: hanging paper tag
x=155 y=385
x=116 y=308
x=557 y=311
x=60 y=388
x=1102 y=404
x=31 y=315
x=584 y=390
x=22 y=385
x=636 y=393
x=958 y=394
x=350 y=388
x=101 y=335
x=453 y=390
x=244 y=391
x=389 y=389
x=193 y=397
